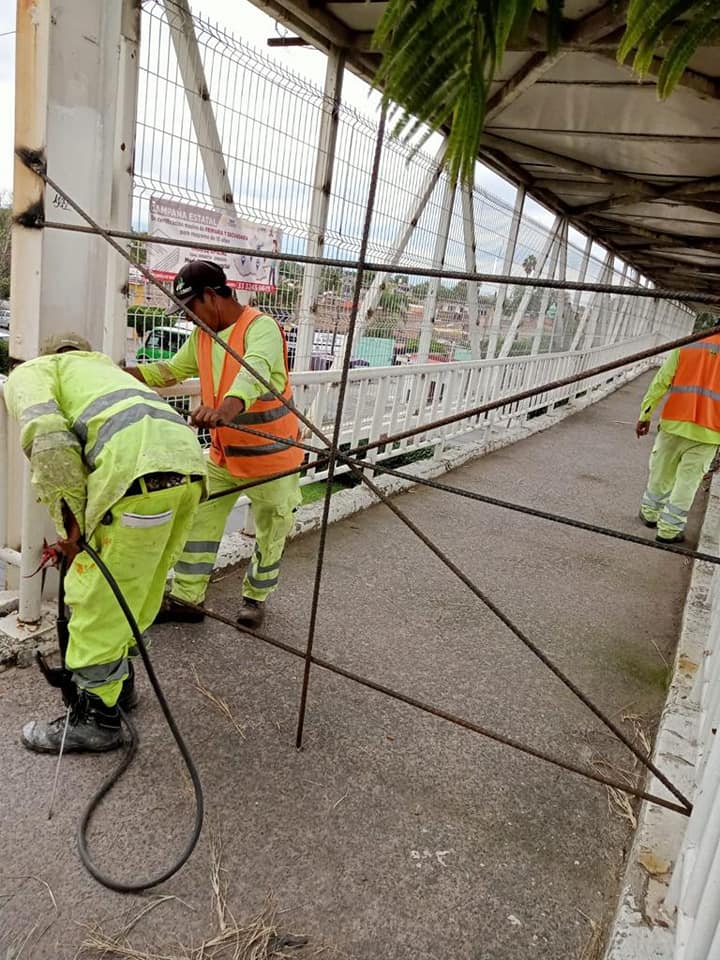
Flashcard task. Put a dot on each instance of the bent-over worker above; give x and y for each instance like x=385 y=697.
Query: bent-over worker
x=115 y=465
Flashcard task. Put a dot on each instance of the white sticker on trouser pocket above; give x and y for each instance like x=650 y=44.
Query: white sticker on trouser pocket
x=145 y=520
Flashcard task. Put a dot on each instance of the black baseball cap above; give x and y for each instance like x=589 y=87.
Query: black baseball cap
x=194 y=278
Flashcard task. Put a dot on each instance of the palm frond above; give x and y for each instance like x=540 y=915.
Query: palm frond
x=440 y=58
x=698 y=31
x=645 y=36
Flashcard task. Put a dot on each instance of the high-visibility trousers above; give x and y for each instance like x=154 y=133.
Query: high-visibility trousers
x=273 y=505
x=677 y=466
x=139 y=540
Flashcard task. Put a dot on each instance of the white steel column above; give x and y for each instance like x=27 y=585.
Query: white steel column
x=528 y=292
x=197 y=95
x=641 y=322
x=473 y=302
x=508 y=261
x=123 y=153
x=320 y=204
x=428 y=320
x=624 y=323
x=583 y=272
x=596 y=305
x=557 y=337
x=67 y=101
x=545 y=296
x=617 y=305
x=371 y=297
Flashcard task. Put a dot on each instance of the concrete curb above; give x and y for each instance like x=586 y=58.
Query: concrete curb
x=643 y=929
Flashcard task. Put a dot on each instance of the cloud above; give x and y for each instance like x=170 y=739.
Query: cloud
x=268 y=106
x=7 y=94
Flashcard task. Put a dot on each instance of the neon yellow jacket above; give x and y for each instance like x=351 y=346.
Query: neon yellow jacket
x=90 y=429
x=263 y=351
x=656 y=391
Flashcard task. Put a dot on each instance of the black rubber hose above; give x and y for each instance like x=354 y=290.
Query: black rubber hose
x=129 y=756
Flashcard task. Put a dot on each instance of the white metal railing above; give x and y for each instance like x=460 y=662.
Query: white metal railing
x=379 y=402
x=695 y=887
x=383 y=401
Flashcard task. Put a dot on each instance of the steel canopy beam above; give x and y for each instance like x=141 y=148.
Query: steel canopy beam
x=591 y=28
x=650 y=191
x=707 y=88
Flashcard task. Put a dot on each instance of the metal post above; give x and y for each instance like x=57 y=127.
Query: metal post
x=508 y=260
x=123 y=152
x=583 y=271
x=625 y=321
x=615 y=316
x=372 y=295
x=545 y=297
x=57 y=108
x=641 y=322
x=197 y=95
x=557 y=338
x=528 y=292
x=322 y=185
x=606 y=313
x=473 y=301
x=438 y=261
x=596 y=304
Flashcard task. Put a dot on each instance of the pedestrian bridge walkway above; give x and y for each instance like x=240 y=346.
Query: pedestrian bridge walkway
x=392 y=834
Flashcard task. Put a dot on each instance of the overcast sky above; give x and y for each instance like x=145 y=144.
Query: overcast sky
x=246 y=22
x=249 y=24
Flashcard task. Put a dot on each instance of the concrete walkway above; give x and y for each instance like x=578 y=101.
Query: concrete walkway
x=393 y=834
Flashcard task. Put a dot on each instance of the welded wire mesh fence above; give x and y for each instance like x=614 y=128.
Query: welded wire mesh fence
x=268 y=120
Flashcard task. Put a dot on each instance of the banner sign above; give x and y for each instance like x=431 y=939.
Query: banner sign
x=182 y=221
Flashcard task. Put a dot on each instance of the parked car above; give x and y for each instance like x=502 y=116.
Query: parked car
x=161 y=343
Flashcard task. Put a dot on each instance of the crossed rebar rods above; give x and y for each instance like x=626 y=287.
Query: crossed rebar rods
x=36 y=163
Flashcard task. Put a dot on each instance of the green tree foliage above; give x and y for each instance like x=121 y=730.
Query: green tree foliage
x=529 y=264
x=439 y=57
x=5 y=230
x=143 y=318
x=704 y=321
x=394 y=301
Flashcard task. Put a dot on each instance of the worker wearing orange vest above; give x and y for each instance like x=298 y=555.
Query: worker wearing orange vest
x=688 y=437
x=230 y=394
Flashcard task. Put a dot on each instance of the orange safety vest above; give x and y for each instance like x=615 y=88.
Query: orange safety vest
x=695 y=390
x=246 y=454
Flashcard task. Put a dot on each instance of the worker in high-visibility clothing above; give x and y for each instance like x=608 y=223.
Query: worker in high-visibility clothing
x=115 y=465
x=688 y=436
x=230 y=394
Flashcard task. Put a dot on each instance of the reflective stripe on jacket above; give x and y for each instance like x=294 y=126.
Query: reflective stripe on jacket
x=694 y=395
x=246 y=454
x=89 y=430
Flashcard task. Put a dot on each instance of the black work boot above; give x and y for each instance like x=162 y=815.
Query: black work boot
x=648 y=523
x=678 y=538
x=172 y=611
x=92 y=728
x=252 y=613
x=128 y=698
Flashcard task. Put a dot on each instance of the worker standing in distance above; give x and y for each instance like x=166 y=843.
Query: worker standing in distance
x=116 y=466
x=688 y=436
x=230 y=394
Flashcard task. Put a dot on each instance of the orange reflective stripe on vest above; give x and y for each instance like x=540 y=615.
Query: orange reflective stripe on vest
x=695 y=390
x=246 y=454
